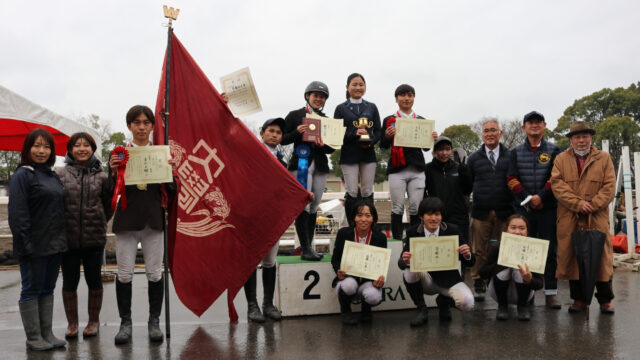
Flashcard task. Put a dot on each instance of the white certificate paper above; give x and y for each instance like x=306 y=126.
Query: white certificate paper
x=365 y=261
x=517 y=250
x=416 y=133
x=148 y=165
x=332 y=132
x=436 y=253
x=243 y=98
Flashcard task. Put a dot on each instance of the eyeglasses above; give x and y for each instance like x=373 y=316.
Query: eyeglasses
x=492 y=130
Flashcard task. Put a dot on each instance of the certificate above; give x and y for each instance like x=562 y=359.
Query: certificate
x=365 y=261
x=243 y=98
x=332 y=132
x=434 y=253
x=148 y=165
x=517 y=250
x=415 y=133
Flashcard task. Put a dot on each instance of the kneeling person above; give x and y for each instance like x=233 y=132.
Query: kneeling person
x=447 y=284
x=346 y=286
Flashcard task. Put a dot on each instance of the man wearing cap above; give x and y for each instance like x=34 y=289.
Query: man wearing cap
x=406 y=166
x=529 y=180
x=451 y=182
x=492 y=199
x=583 y=180
x=315 y=165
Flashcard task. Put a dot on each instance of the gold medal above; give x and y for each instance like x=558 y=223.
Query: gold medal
x=312 y=127
x=142 y=186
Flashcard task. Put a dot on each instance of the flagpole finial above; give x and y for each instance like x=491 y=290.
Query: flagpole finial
x=170 y=13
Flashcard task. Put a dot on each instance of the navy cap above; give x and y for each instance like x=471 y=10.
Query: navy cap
x=275 y=121
x=532 y=115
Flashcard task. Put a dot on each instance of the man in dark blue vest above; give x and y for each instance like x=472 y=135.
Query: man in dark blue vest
x=529 y=179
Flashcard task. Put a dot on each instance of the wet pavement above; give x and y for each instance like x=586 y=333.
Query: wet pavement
x=473 y=335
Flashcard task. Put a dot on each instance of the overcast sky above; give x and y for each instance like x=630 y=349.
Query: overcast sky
x=466 y=59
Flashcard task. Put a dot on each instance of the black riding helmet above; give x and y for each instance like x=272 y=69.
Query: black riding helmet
x=316 y=86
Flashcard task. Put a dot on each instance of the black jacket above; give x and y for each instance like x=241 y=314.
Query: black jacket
x=452 y=184
x=348 y=234
x=490 y=190
x=445 y=278
x=36 y=212
x=491 y=267
x=413 y=156
x=87 y=202
x=291 y=135
x=351 y=152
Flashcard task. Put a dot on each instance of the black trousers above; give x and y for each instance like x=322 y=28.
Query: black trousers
x=91 y=260
x=604 y=291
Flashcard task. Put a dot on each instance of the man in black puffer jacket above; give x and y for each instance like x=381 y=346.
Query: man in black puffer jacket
x=492 y=199
x=529 y=175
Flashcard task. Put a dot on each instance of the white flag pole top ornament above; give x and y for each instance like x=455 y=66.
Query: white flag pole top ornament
x=18 y=116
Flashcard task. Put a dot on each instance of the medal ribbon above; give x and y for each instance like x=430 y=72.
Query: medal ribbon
x=357 y=238
x=303 y=151
x=123 y=154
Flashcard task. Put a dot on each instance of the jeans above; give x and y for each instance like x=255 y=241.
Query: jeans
x=39 y=276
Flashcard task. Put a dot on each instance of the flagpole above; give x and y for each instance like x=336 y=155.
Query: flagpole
x=171 y=14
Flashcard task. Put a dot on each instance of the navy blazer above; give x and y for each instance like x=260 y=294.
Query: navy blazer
x=351 y=152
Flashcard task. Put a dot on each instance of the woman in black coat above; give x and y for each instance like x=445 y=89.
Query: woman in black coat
x=36 y=218
x=313 y=170
x=346 y=286
x=357 y=155
x=507 y=285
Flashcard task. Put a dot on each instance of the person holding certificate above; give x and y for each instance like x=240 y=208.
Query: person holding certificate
x=140 y=222
x=501 y=278
x=406 y=165
x=87 y=199
x=347 y=287
x=308 y=163
x=357 y=155
x=447 y=284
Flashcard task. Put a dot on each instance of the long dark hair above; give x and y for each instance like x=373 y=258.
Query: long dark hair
x=351 y=77
x=25 y=155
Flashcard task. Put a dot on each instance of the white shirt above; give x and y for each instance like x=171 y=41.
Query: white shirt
x=272 y=150
x=496 y=152
x=435 y=233
x=406 y=115
x=355 y=101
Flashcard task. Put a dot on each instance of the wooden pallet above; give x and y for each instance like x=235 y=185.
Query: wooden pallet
x=627 y=261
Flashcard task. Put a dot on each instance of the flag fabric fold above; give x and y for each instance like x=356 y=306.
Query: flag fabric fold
x=234 y=199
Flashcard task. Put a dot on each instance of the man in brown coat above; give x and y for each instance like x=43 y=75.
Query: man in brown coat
x=583 y=180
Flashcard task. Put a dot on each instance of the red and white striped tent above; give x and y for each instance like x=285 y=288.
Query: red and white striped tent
x=18 y=116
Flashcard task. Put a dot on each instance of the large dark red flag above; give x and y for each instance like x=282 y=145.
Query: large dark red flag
x=234 y=199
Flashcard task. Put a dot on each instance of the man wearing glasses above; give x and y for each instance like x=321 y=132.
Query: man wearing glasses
x=492 y=199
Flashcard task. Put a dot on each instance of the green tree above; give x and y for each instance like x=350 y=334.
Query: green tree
x=463 y=136
x=9 y=160
x=620 y=131
x=108 y=139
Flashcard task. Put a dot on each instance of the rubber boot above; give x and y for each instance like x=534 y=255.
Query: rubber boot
x=45 y=310
x=302 y=229
x=396 y=226
x=365 y=312
x=269 y=284
x=349 y=202
x=444 y=307
x=311 y=226
x=414 y=220
x=70 y=301
x=123 y=297
x=502 y=289
x=95 y=305
x=417 y=295
x=345 y=309
x=523 y=298
x=253 y=312
x=31 y=323
x=156 y=295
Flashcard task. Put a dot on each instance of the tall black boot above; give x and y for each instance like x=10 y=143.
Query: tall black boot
x=502 y=289
x=365 y=312
x=156 y=294
x=302 y=229
x=345 y=309
x=269 y=285
x=523 y=298
x=414 y=220
x=444 y=307
x=369 y=200
x=396 y=226
x=417 y=295
x=253 y=312
x=349 y=202
x=123 y=297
